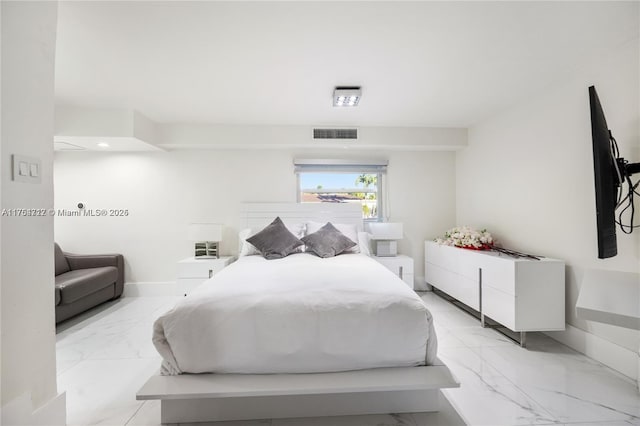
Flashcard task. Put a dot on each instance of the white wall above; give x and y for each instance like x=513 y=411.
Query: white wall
x=166 y=191
x=527 y=175
x=27 y=290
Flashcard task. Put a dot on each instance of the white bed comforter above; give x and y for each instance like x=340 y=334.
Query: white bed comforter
x=294 y=315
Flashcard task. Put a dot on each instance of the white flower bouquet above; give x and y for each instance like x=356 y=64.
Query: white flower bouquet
x=467 y=237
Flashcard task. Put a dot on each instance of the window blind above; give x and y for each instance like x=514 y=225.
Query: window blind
x=340 y=166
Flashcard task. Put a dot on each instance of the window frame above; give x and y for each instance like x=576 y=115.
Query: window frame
x=371 y=167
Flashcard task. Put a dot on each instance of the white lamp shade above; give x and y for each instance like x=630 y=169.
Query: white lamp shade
x=205 y=232
x=385 y=231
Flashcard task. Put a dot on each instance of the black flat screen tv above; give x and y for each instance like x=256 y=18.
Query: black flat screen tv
x=614 y=188
x=607 y=180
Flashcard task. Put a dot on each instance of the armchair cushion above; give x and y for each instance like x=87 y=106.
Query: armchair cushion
x=58 y=296
x=82 y=261
x=61 y=263
x=76 y=284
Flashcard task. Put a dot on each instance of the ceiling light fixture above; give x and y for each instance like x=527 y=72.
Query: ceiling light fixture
x=346 y=96
x=103 y=145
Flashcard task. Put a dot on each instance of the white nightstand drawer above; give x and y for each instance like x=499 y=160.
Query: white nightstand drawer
x=192 y=272
x=196 y=269
x=406 y=266
x=400 y=265
x=202 y=268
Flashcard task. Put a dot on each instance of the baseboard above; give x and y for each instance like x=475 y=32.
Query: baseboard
x=150 y=289
x=613 y=356
x=20 y=411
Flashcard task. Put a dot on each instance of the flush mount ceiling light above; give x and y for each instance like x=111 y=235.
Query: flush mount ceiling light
x=346 y=96
x=103 y=145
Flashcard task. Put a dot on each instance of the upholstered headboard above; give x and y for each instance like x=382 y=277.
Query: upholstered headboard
x=253 y=215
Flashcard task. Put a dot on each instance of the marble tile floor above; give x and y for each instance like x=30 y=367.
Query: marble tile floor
x=106 y=354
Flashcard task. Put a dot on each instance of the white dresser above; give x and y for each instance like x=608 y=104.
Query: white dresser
x=400 y=265
x=192 y=272
x=520 y=294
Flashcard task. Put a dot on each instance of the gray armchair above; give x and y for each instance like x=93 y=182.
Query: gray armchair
x=85 y=281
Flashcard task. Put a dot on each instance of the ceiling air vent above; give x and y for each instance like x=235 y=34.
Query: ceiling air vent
x=340 y=134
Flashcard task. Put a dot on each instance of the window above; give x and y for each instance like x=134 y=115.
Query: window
x=343 y=181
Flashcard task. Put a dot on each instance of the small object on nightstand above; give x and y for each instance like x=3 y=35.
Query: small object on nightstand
x=386 y=235
x=193 y=271
x=400 y=265
x=207 y=237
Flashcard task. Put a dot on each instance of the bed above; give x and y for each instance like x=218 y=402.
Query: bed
x=297 y=336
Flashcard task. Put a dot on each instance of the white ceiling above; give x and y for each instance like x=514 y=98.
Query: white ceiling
x=263 y=63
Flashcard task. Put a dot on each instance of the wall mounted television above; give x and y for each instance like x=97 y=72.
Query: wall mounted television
x=613 y=185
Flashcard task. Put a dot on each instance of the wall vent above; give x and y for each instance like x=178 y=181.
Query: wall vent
x=341 y=134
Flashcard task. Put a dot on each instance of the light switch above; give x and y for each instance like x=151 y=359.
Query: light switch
x=26 y=169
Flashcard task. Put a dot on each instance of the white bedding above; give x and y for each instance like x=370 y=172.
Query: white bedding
x=297 y=314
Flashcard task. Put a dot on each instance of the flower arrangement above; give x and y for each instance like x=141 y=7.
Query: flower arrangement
x=467 y=237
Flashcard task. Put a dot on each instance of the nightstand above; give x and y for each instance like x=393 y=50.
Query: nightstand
x=401 y=265
x=192 y=272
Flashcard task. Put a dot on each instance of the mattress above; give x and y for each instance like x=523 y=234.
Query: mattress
x=299 y=314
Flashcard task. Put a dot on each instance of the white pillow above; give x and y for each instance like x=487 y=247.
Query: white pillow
x=350 y=231
x=364 y=242
x=248 y=249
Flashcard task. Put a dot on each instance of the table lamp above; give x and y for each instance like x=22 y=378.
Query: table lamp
x=386 y=234
x=207 y=237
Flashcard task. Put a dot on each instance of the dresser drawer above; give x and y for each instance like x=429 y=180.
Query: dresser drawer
x=468 y=264
x=441 y=255
x=465 y=290
x=468 y=292
x=499 y=306
x=439 y=277
x=499 y=274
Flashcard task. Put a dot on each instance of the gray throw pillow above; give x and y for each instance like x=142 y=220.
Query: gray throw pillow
x=327 y=241
x=275 y=241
